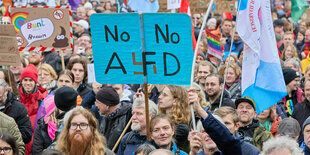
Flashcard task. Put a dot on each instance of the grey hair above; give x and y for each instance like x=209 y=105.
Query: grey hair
x=139 y=102
x=282 y=142
x=3 y=84
x=211 y=20
x=168 y=152
x=145 y=149
x=294 y=61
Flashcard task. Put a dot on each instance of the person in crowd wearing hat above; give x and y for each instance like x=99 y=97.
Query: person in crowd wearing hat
x=81 y=27
x=80 y=135
x=13 y=108
x=133 y=139
x=306 y=133
x=281 y=146
x=204 y=68
x=287 y=104
x=249 y=129
x=306 y=47
x=116 y=114
x=222 y=127
x=213 y=89
x=31 y=95
x=289 y=127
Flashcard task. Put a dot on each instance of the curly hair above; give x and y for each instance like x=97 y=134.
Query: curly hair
x=180 y=112
x=97 y=142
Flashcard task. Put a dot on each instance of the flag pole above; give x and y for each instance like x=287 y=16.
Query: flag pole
x=227 y=65
x=195 y=55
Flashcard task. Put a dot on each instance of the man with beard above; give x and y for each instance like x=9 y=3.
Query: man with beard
x=80 y=134
x=116 y=114
x=213 y=88
x=249 y=129
x=34 y=58
x=204 y=68
x=84 y=44
x=133 y=139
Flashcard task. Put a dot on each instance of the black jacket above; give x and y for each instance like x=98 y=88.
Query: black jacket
x=112 y=126
x=41 y=139
x=18 y=111
x=301 y=113
x=83 y=90
x=226 y=101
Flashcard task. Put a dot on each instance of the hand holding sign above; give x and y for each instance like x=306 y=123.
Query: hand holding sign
x=38 y=29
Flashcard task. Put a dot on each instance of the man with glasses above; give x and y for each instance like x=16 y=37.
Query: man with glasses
x=80 y=134
x=84 y=44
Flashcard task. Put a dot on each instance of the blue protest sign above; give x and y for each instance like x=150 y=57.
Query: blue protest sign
x=169 y=35
x=117 y=48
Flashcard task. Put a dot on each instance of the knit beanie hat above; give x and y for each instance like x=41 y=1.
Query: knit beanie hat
x=306 y=122
x=108 y=96
x=65 y=98
x=289 y=75
x=31 y=72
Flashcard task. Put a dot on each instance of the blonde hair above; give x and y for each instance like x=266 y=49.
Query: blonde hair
x=234 y=66
x=180 y=112
x=97 y=142
x=49 y=69
x=295 y=54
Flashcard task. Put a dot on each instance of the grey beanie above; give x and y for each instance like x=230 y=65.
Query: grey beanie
x=307 y=121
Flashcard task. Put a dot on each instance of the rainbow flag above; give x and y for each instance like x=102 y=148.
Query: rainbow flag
x=214 y=46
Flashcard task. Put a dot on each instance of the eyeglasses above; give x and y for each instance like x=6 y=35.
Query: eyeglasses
x=5 y=149
x=82 y=126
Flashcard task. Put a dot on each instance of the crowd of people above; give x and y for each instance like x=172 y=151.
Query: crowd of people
x=46 y=109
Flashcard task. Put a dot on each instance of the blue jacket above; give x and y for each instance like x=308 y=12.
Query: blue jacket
x=226 y=141
x=174 y=149
x=130 y=142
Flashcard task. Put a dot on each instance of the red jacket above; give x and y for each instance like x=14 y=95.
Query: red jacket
x=31 y=102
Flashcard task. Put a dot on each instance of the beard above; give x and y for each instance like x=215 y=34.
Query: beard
x=34 y=61
x=136 y=127
x=78 y=143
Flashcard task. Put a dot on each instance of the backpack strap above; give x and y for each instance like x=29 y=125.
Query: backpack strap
x=127 y=140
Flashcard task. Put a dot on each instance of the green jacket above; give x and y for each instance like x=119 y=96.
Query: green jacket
x=8 y=125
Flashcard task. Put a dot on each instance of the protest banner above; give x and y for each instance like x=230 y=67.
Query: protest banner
x=159 y=48
x=43 y=28
x=9 y=54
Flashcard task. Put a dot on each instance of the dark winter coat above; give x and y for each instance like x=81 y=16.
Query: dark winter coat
x=41 y=139
x=18 y=111
x=83 y=90
x=112 y=126
x=130 y=142
x=226 y=101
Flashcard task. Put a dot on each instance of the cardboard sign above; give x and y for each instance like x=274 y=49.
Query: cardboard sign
x=9 y=54
x=118 y=45
x=40 y=27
